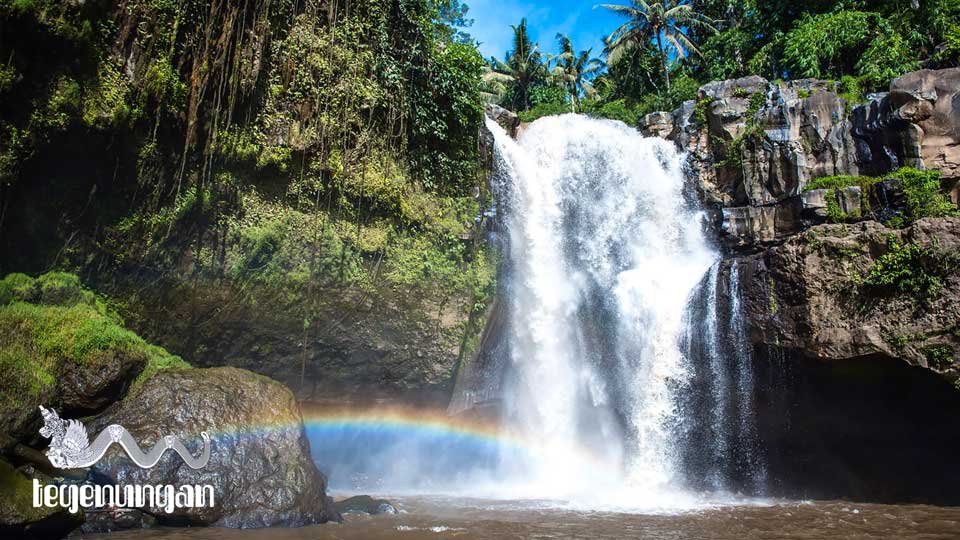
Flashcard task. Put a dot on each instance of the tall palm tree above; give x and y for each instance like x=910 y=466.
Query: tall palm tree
x=662 y=20
x=572 y=70
x=523 y=67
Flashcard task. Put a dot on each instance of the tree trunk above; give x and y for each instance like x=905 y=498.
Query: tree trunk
x=663 y=61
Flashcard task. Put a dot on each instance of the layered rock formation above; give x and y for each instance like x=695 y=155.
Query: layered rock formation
x=754 y=145
x=853 y=327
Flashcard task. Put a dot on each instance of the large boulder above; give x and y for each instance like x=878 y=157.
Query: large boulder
x=260 y=465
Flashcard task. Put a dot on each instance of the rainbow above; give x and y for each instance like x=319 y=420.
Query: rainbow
x=429 y=422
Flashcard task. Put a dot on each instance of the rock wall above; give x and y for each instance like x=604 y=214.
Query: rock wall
x=854 y=327
x=753 y=145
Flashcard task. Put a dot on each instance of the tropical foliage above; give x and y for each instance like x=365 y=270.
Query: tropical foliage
x=665 y=49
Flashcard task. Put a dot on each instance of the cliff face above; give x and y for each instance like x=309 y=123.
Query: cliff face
x=755 y=145
x=838 y=218
x=775 y=162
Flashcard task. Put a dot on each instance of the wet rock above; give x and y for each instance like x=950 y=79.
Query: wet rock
x=657 y=124
x=260 y=465
x=365 y=504
x=887 y=199
x=111 y=520
x=18 y=517
x=507 y=119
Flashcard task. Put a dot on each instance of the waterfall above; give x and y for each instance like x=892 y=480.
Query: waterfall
x=602 y=251
x=721 y=446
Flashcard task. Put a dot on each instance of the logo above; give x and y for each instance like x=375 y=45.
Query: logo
x=70 y=447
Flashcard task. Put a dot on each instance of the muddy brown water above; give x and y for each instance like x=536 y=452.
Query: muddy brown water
x=440 y=518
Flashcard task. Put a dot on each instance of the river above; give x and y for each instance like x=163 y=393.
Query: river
x=464 y=518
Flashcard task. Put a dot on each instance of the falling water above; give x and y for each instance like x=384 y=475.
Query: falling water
x=603 y=251
x=720 y=442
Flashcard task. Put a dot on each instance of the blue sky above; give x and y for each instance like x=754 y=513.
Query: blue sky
x=585 y=25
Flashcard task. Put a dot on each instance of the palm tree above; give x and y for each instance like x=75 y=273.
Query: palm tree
x=523 y=67
x=572 y=70
x=663 y=20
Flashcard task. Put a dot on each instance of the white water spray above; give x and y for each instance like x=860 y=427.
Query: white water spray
x=604 y=251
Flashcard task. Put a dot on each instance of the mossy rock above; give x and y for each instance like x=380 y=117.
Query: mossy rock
x=18 y=287
x=18 y=516
x=16 y=498
x=68 y=351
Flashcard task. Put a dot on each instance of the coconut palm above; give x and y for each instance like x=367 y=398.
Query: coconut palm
x=523 y=68
x=663 y=20
x=573 y=69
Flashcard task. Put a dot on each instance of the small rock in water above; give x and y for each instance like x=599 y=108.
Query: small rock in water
x=365 y=504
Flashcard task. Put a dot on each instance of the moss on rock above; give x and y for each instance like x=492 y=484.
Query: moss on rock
x=66 y=349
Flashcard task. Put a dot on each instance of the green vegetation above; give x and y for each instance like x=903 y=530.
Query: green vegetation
x=333 y=147
x=924 y=196
x=939 y=356
x=53 y=320
x=573 y=69
x=661 y=45
x=912 y=270
x=921 y=188
x=666 y=20
x=833 y=185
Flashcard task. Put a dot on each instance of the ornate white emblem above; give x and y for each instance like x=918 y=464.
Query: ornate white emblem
x=70 y=447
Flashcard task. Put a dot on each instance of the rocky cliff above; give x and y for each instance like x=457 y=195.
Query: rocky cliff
x=775 y=163
x=837 y=213
x=755 y=146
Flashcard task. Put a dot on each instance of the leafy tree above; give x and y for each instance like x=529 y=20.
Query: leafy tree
x=452 y=19
x=523 y=68
x=573 y=70
x=664 y=20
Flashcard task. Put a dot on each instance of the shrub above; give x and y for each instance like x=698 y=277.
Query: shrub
x=886 y=58
x=818 y=43
x=911 y=269
x=615 y=110
x=924 y=197
x=544 y=109
x=939 y=356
